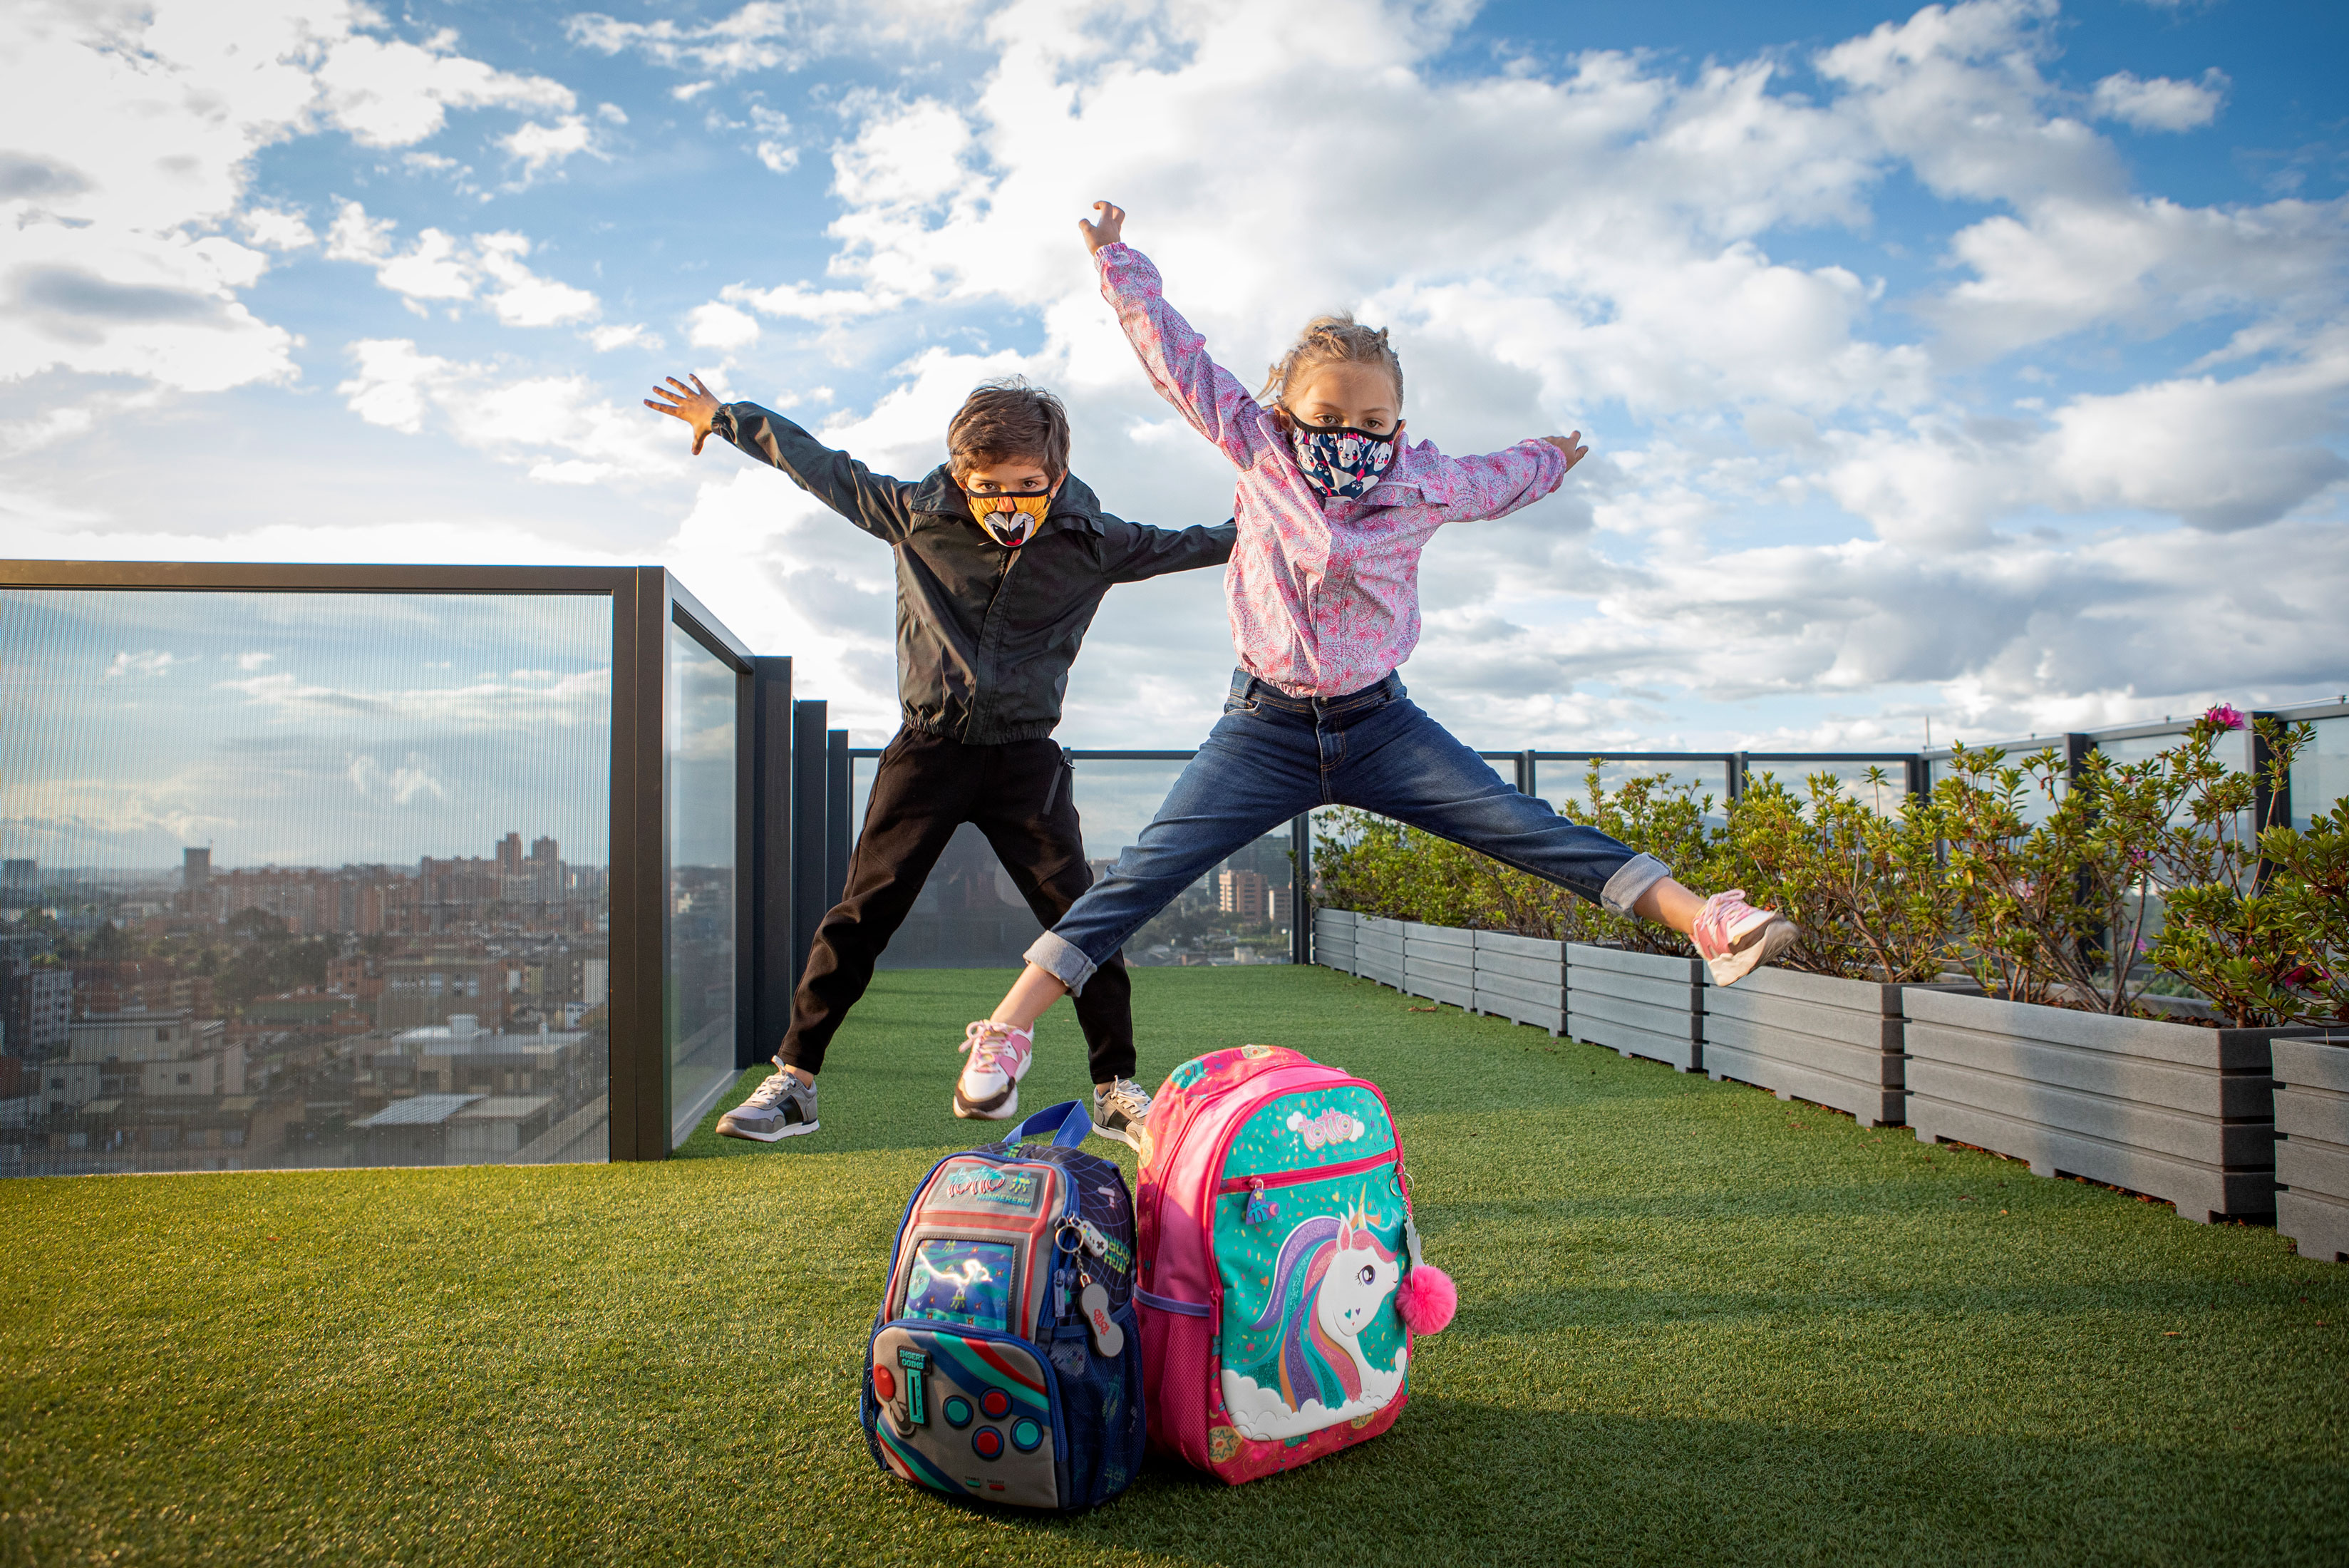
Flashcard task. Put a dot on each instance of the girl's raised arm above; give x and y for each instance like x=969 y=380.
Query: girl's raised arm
x=1174 y=355
x=1497 y=483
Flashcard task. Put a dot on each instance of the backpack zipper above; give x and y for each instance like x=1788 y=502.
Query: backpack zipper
x=1291 y=1178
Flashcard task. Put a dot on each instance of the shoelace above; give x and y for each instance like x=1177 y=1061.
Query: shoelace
x=769 y=1094
x=1128 y=1096
x=1713 y=920
x=984 y=1041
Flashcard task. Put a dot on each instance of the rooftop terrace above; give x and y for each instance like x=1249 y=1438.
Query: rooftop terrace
x=1696 y=1323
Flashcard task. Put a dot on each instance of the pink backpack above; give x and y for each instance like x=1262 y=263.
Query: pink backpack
x=1281 y=1281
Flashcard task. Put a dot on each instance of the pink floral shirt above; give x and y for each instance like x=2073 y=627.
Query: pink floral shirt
x=1324 y=596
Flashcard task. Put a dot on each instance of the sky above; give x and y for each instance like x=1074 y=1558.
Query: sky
x=1981 y=366
x=315 y=729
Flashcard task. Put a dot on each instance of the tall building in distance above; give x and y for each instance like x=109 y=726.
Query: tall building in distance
x=510 y=855
x=1240 y=893
x=195 y=867
x=546 y=869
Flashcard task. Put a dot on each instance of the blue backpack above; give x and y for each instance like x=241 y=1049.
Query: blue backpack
x=1004 y=1362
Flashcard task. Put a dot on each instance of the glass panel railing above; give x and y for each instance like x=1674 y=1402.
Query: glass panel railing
x=2320 y=775
x=1565 y=781
x=1241 y=912
x=698 y=965
x=303 y=879
x=1884 y=794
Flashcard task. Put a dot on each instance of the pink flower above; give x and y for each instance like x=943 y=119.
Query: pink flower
x=2225 y=716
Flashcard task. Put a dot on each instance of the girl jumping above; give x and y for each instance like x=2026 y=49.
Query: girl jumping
x=1334 y=509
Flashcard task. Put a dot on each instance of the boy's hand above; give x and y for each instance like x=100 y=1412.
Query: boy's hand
x=1570 y=444
x=692 y=404
x=1108 y=232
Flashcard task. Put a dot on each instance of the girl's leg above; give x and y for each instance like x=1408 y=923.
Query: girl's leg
x=1407 y=766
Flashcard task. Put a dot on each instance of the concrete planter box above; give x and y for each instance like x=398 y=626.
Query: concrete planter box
x=2176 y=1110
x=1522 y=979
x=1816 y=1037
x=1333 y=938
x=1378 y=950
x=1640 y=1005
x=2312 y=1156
x=1439 y=962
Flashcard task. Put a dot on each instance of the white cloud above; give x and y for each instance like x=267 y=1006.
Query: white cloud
x=389 y=93
x=541 y=147
x=2161 y=104
x=767 y=35
x=401 y=785
x=276 y=229
x=558 y=428
x=608 y=337
x=780 y=156
x=395 y=385
x=719 y=326
x=524 y=298
x=440 y=267
x=150 y=661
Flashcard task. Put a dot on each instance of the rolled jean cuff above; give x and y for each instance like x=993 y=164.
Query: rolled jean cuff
x=1066 y=962
x=1626 y=887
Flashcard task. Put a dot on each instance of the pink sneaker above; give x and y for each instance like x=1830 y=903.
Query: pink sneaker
x=1734 y=938
x=989 y=1089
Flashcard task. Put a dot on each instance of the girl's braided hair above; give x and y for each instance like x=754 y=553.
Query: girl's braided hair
x=1330 y=341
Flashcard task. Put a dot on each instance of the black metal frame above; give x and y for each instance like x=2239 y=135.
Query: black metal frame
x=645 y=602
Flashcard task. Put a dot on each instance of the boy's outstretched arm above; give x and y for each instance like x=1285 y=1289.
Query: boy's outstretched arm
x=1139 y=551
x=876 y=503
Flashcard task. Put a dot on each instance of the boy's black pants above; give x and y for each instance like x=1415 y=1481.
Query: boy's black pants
x=1020 y=795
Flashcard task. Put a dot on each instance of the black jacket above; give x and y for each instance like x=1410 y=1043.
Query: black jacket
x=985 y=635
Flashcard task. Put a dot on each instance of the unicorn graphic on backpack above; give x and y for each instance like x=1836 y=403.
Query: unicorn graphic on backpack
x=1333 y=1278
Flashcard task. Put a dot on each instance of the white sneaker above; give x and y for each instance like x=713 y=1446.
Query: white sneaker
x=989 y=1089
x=1121 y=1111
x=1734 y=938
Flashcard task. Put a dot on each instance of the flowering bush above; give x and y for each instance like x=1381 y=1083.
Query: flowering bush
x=2254 y=910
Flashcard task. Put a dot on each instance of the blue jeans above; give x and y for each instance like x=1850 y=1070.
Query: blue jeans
x=1271 y=757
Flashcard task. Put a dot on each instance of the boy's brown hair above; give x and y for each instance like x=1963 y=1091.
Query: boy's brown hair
x=1007 y=420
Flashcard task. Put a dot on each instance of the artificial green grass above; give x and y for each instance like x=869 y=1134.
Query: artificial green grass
x=1696 y=1323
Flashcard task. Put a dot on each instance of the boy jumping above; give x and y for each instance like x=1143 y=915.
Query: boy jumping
x=1002 y=558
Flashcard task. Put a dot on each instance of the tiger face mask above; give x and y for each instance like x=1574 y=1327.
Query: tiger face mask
x=1011 y=517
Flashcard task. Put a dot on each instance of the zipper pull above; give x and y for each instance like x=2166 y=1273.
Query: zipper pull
x=1260 y=1210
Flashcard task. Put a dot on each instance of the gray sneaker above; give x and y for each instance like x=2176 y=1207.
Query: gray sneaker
x=1121 y=1111
x=781 y=1107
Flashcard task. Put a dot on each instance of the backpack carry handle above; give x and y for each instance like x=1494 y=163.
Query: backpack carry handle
x=1067 y=1122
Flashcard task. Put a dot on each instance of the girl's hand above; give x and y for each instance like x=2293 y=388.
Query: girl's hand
x=692 y=404
x=1572 y=445
x=1108 y=232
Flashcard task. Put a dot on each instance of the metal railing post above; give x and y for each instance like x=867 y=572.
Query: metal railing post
x=772 y=973
x=807 y=829
x=1300 y=888
x=839 y=797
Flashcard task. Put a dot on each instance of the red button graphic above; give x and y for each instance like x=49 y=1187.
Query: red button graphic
x=986 y=1443
x=995 y=1404
x=884 y=1384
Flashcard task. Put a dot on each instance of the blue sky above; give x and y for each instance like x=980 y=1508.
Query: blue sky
x=1983 y=364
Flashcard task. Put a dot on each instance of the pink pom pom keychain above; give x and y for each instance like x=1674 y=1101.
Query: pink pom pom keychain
x=1427 y=1297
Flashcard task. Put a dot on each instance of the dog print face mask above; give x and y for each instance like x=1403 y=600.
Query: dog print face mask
x=1342 y=462
x=1011 y=517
